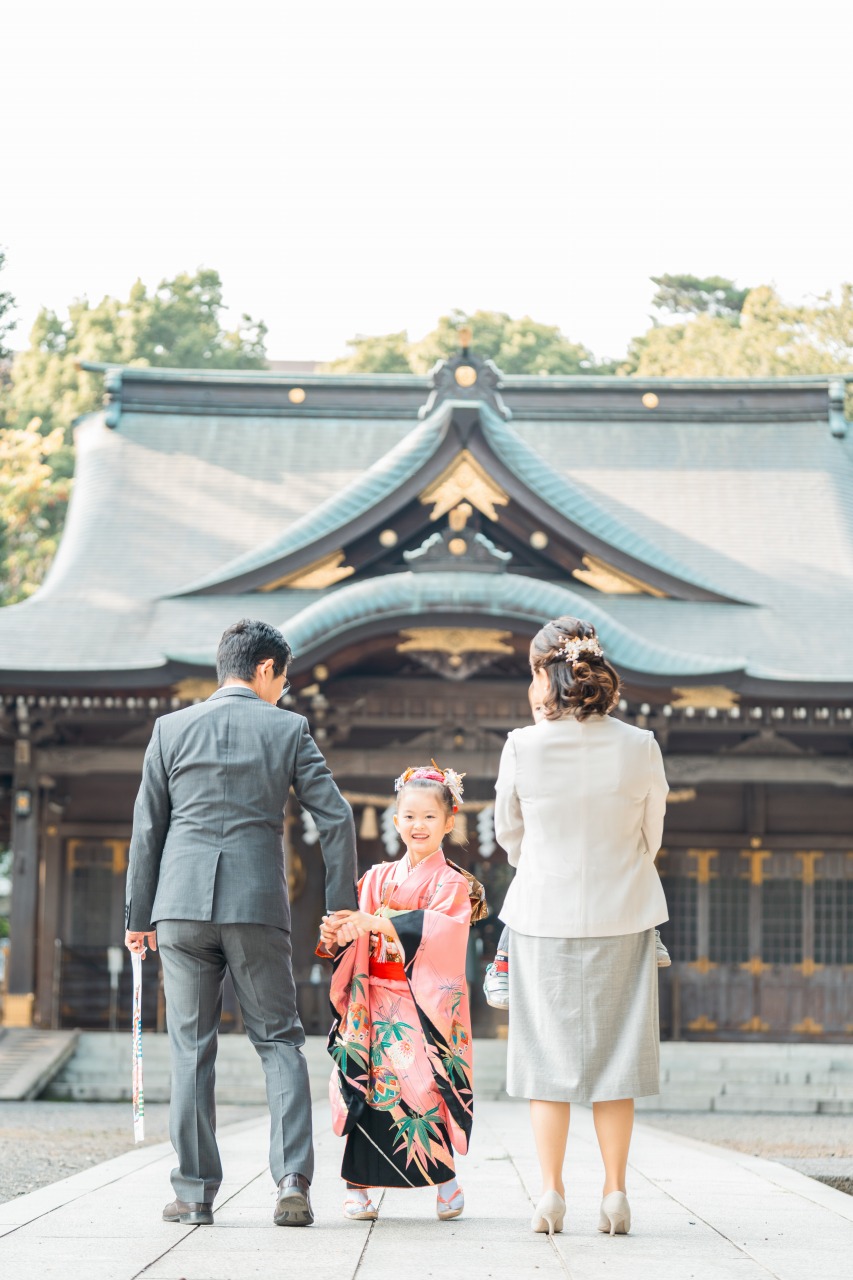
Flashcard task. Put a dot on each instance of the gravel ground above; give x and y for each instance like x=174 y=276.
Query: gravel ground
x=42 y=1142
x=776 y=1137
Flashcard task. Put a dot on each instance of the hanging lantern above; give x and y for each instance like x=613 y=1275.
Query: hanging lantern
x=486 y=831
x=310 y=834
x=369 y=826
x=390 y=839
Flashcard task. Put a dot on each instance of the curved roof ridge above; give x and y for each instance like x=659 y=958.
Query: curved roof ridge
x=340 y=509
x=410 y=597
x=571 y=501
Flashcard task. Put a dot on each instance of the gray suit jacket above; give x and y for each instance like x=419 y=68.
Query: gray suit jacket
x=209 y=818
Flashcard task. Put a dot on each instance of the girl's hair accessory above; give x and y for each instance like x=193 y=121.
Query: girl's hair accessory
x=571 y=650
x=434 y=773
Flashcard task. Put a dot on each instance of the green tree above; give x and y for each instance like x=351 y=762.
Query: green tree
x=767 y=338
x=694 y=295
x=179 y=324
x=386 y=353
x=516 y=346
x=7 y=306
x=33 y=497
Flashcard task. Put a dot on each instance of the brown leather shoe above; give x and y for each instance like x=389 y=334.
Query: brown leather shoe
x=189 y=1214
x=293 y=1206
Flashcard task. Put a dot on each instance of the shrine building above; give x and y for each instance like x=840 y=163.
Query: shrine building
x=409 y=535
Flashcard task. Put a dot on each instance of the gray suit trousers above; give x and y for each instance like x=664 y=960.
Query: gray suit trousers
x=195 y=955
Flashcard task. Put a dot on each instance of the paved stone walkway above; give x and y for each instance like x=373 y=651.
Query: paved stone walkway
x=700 y=1213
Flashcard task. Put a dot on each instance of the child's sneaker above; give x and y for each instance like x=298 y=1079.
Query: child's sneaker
x=663 y=956
x=496 y=984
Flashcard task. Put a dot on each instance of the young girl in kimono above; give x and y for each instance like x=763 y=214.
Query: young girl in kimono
x=401 y=1039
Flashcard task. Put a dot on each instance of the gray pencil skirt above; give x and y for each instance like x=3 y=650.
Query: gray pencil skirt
x=583 y=1018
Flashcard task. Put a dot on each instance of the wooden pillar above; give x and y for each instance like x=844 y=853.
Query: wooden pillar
x=50 y=905
x=20 y=996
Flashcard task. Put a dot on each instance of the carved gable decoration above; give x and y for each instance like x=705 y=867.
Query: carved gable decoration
x=316 y=576
x=465 y=478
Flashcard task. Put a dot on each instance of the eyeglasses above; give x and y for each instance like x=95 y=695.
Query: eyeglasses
x=285 y=688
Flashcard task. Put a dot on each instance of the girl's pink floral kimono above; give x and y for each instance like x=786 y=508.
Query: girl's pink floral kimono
x=401 y=1039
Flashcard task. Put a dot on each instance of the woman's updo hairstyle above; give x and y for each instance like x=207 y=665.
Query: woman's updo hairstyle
x=581 y=682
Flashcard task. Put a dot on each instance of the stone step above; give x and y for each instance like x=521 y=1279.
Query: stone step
x=29 y=1059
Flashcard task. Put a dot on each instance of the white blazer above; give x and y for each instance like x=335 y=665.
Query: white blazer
x=579 y=811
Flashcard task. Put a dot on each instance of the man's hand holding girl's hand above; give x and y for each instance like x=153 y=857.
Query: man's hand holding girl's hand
x=350 y=925
x=328 y=935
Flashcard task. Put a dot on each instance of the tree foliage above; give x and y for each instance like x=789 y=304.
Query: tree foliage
x=694 y=295
x=177 y=325
x=766 y=338
x=7 y=307
x=516 y=346
x=33 y=496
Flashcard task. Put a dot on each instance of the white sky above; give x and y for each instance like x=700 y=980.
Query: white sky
x=361 y=168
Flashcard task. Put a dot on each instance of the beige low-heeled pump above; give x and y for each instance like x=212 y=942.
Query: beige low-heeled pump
x=615 y=1216
x=549 y=1213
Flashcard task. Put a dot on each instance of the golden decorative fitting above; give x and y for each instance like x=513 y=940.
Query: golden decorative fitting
x=118 y=850
x=755 y=1024
x=296 y=395
x=809 y=968
x=464 y=478
x=808 y=1027
x=755 y=965
x=18 y=1009
x=454 y=640
x=650 y=400
x=460 y=516
x=703 y=1023
x=704 y=696
x=604 y=577
x=682 y=795
x=388 y=538
x=321 y=671
x=756 y=863
x=316 y=576
x=369 y=825
x=297 y=876
x=465 y=336
x=465 y=375
x=703 y=964
x=189 y=690
x=538 y=540
x=703 y=873
x=755 y=842
x=457 y=546
x=808 y=858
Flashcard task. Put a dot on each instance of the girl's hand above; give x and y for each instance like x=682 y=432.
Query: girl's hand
x=358 y=923
x=354 y=925
x=328 y=935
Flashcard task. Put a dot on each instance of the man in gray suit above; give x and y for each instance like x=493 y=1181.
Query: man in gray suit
x=206 y=880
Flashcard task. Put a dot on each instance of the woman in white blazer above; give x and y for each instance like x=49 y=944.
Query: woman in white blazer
x=579 y=810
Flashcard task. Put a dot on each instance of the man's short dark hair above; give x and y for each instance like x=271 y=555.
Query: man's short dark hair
x=247 y=643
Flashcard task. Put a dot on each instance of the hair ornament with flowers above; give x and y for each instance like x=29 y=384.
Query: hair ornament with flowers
x=571 y=649
x=447 y=777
